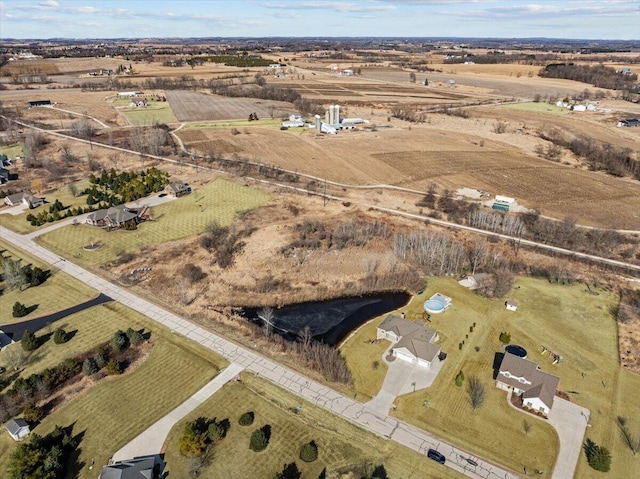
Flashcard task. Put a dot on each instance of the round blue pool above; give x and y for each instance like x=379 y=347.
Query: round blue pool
x=516 y=351
x=433 y=306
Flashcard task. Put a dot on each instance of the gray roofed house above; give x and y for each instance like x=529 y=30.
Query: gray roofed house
x=4 y=175
x=113 y=217
x=475 y=281
x=415 y=342
x=145 y=467
x=178 y=188
x=25 y=197
x=536 y=388
x=17 y=429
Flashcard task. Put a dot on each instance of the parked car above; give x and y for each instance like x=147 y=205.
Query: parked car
x=436 y=456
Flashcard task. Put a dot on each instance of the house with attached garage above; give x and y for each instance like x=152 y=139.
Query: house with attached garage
x=25 y=197
x=115 y=217
x=524 y=378
x=177 y=189
x=414 y=342
x=143 y=467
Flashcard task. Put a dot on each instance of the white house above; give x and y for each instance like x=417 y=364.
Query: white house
x=18 y=429
x=25 y=197
x=414 y=342
x=536 y=388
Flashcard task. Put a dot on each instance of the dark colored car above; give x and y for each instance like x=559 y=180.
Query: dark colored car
x=436 y=456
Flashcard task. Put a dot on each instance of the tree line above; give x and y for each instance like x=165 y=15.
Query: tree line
x=597 y=75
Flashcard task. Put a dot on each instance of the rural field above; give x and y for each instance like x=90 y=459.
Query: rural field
x=116 y=409
x=58 y=292
x=567 y=319
x=340 y=444
x=219 y=201
x=194 y=106
x=154 y=113
x=452 y=159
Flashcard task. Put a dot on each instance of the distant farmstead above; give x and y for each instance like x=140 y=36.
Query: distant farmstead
x=39 y=103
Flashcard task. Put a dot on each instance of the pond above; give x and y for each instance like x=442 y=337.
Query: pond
x=329 y=321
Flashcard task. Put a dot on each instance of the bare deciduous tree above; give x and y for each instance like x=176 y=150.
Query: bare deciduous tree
x=632 y=441
x=476 y=392
x=268 y=317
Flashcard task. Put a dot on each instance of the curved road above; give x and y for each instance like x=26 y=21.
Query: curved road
x=375 y=422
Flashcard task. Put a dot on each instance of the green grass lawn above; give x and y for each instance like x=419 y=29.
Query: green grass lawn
x=154 y=113
x=92 y=327
x=60 y=291
x=340 y=443
x=187 y=216
x=19 y=223
x=567 y=319
x=117 y=409
x=539 y=107
x=12 y=150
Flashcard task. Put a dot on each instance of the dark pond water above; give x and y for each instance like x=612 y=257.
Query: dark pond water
x=330 y=321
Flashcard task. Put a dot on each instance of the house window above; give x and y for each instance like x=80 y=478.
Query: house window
x=529 y=404
x=541 y=408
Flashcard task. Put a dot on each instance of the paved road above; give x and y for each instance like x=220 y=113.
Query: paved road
x=152 y=439
x=376 y=422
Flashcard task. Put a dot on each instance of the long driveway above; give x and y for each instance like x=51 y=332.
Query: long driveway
x=376 y=422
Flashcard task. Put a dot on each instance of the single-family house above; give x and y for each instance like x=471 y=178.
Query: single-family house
x=475 y=281
x=536 y=388
x=143 y=467
x=138 y=102
x=25 y=197
x=4 y=175
x=18 y=429
x=113 y=217
x=414 y=342
x=178 y=188
x=511 y=305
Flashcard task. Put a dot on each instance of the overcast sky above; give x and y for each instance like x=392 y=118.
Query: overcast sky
x=599 y=19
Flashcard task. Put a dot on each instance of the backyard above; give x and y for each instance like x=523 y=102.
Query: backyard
x=340 y=444
x=187 y=216
x=59 y=291
x=117 y=409
x=570 y=320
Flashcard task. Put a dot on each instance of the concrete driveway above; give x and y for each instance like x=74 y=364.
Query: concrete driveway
x=402 y=377
x=570 y=422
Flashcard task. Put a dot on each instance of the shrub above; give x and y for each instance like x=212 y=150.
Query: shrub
x=505 y=337
x=193 y=441
x=119 y=341
x=309 y=452
x=246 y=419
x=19 y=310
x=215 y=432
x=259 y=440
x=113 y=367
x=32 y=413
x=459 y=379
x=60 y=336
x=136 y=338
x=100 y=360
x=89 y=367
x=29 y=341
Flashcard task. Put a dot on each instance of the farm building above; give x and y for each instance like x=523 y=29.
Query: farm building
x=414 y=342
x=346 y=73
x=353 y=121
x=295 y=121
x=500 y=207
x=629 y=122
x=146 y=467
x=129 y=94
x=25 y=197
x=511 y=305
x=39 y=103
x=18 y=429
x=536 y=388
x=504 y=199
x=579 y=108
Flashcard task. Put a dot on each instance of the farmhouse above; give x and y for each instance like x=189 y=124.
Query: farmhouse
x=144 y=467
x=17 y=429
x=25 y=197
x=177 y=189
x=536 y=388
x=138 y=102
x=39 y=103
x=114 y=217
x=414 y=342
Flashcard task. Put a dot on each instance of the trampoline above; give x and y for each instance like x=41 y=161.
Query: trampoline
x=516 y=351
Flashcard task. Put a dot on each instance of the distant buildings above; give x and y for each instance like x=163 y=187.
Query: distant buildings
x=629 y=122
